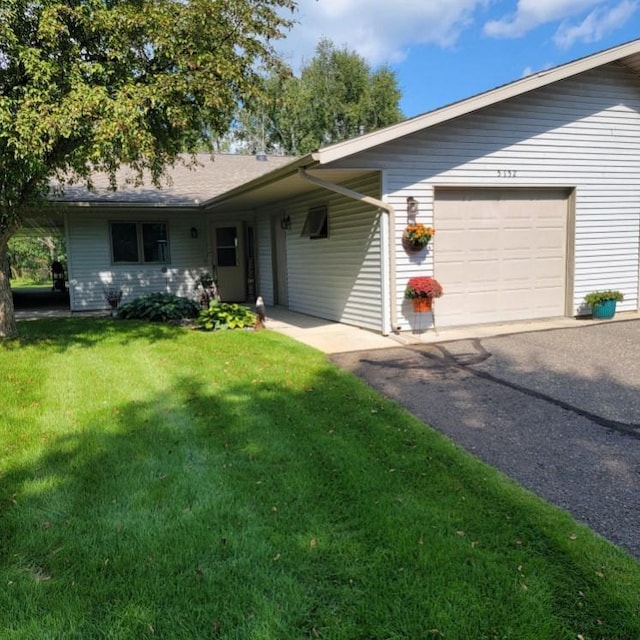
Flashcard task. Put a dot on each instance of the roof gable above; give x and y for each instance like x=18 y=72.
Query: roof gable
x=627 y=55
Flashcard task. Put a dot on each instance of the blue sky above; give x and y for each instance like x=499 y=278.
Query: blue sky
x=447 y=50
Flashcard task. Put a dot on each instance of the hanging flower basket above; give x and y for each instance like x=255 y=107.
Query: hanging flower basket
x=416 y=237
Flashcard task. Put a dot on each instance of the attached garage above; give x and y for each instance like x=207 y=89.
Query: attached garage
x=501 y=254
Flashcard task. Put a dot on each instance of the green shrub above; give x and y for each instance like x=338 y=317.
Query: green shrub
x=159 y=307
x=224 y=315
x=597 y=297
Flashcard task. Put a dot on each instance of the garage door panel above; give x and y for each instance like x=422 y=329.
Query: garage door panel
x=548 y=239
x=516 y=270
x=458 y=240
x=500 y=256
x=552 y=268
x=515 y=242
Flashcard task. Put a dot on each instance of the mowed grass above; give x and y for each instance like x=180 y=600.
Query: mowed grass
x=157 y=482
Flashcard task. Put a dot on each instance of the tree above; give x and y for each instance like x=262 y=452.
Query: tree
x=88 y=85
x=31 y=256
x=336 y=97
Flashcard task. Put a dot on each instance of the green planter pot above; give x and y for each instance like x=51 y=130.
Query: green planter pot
x=604 y=310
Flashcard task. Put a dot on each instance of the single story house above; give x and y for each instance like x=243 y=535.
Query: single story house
x=533 y=189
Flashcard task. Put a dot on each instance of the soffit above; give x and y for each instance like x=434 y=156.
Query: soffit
x=632 y=62
x=283 y=188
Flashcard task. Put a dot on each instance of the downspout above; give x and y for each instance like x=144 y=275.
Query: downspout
x=387 y=244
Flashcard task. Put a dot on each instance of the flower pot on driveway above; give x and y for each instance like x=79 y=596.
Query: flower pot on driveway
x=604 y=310
x=603 y=303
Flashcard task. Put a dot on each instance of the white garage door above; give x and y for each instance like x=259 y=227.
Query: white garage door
x=500 y=255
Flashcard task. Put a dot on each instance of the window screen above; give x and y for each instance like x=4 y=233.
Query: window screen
x=227 y=246
x=124 y=241
x=132 y=240
x=154 y=242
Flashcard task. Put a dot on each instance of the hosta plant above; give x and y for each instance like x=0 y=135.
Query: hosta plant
x=224 y=315
x=159 y=307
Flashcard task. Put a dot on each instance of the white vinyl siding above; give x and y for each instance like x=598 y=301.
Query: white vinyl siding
x=264 y=264
x=90 y=264
x=338 y=277
x=581 y=133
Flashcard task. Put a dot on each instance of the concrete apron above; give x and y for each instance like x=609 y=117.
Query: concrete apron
x=333 y=337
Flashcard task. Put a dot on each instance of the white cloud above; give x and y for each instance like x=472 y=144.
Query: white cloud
x=529 y=71
x=379 y=30
x=599 y=23
x=530 y=14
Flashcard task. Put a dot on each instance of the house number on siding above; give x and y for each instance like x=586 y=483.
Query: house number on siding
x=507 y=173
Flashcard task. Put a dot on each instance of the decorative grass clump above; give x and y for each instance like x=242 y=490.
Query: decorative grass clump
x=157 y=482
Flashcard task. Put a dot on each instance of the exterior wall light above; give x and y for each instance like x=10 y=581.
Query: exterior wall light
x=285 y=222
x=412 y=207
x=194 y=232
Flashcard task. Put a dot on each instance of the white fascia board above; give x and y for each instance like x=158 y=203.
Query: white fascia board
x=535 y=81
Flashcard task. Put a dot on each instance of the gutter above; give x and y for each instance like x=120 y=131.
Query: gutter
x=387 y=243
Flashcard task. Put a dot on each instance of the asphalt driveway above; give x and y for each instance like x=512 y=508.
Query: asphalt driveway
x=557 y=410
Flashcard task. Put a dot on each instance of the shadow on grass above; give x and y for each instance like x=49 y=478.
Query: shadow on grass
x=64 y=333
x=275 y=509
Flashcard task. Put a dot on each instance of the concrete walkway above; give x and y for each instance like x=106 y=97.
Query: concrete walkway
x=333 y=337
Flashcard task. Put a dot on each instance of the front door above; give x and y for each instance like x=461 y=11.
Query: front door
x=228 y=257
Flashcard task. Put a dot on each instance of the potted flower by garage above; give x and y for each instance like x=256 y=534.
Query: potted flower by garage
x=417 y=236
x=421 y=290
x=603 y=303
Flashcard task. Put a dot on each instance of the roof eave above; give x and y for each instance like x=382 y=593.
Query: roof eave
x=262 y=181
x=122 y=204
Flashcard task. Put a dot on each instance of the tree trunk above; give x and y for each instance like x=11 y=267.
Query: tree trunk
x=8 y=327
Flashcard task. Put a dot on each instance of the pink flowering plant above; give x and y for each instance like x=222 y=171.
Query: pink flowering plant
x=423 y=287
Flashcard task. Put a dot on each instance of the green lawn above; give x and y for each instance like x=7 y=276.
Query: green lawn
x=29 y=283
x=157 y=482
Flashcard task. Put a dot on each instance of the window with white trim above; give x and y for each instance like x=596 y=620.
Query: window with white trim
x=317 y=223
x=146 y=242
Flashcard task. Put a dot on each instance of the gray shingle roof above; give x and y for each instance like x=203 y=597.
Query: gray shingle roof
x=213 y=177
